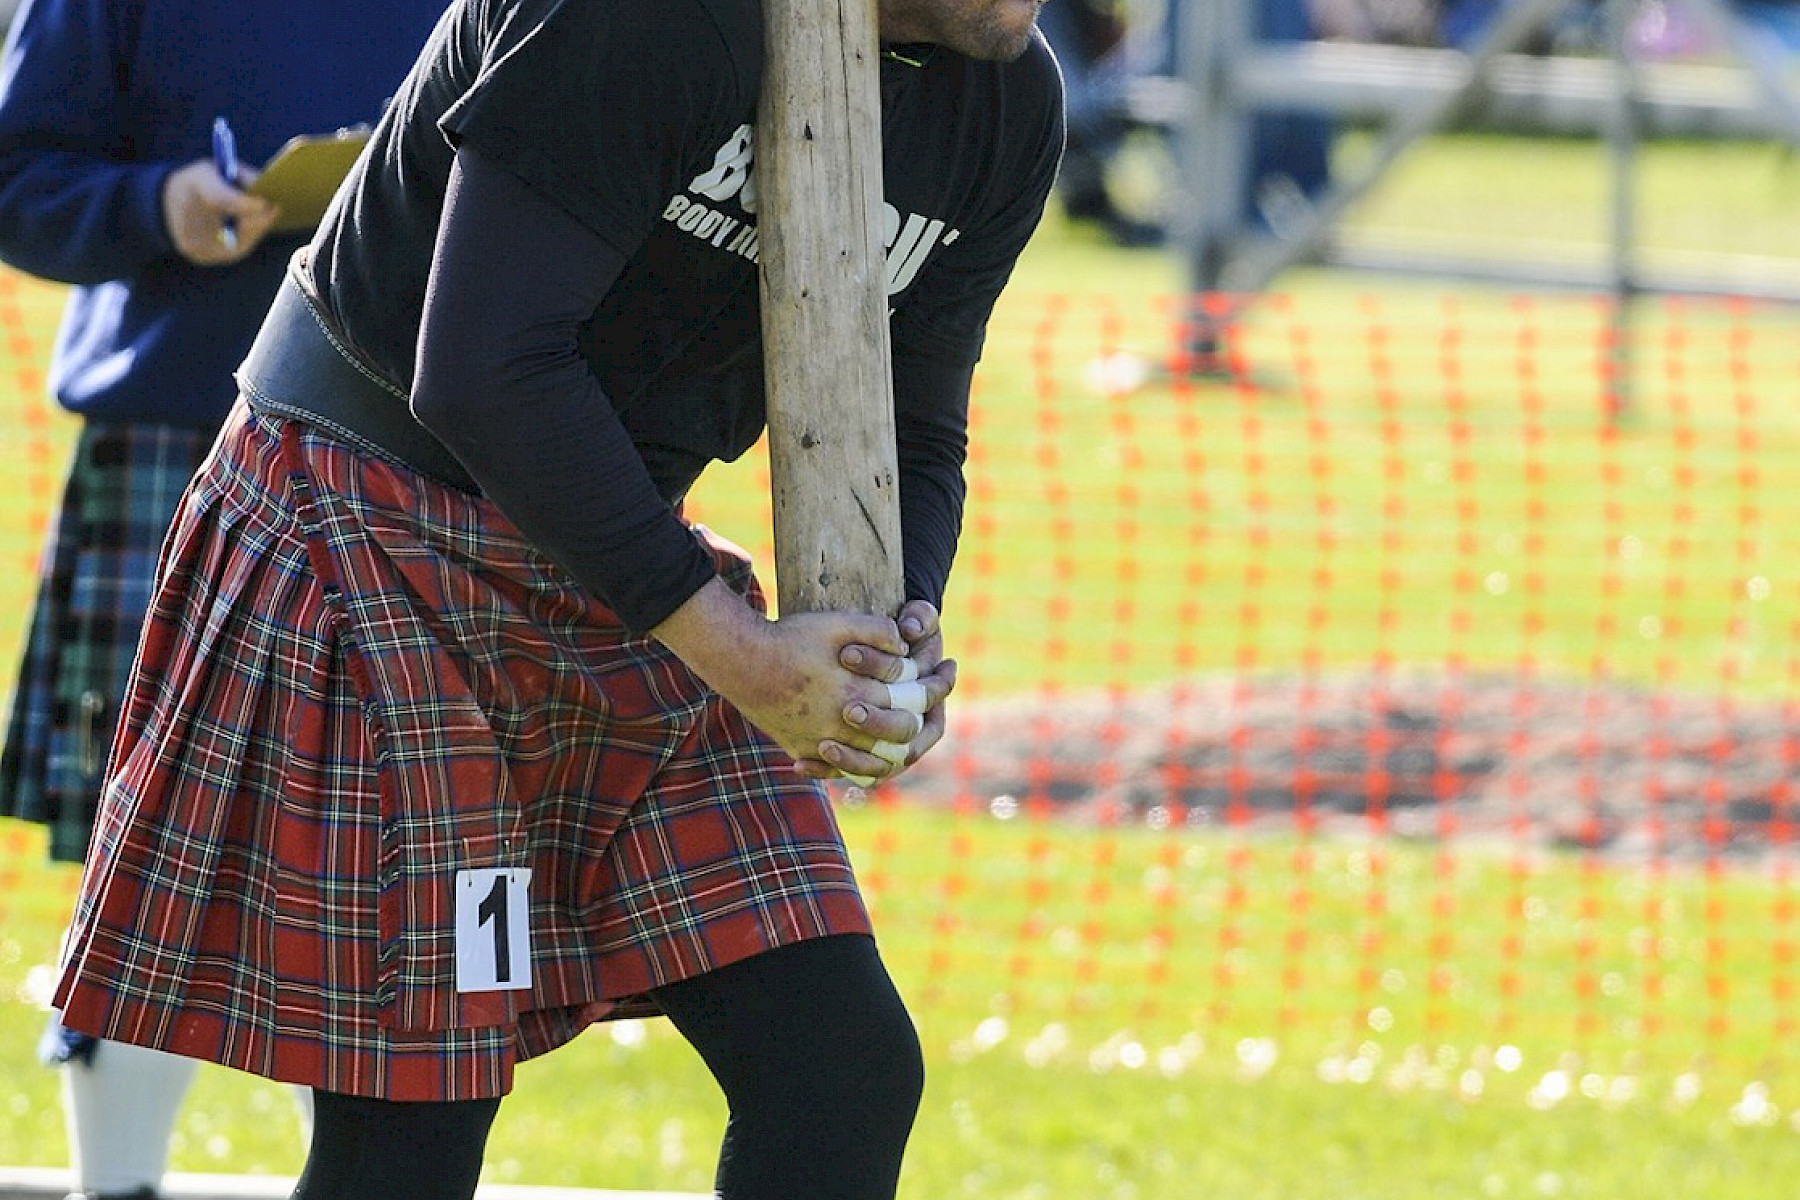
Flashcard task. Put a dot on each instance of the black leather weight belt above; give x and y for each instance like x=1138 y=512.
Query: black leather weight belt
x=300 y=366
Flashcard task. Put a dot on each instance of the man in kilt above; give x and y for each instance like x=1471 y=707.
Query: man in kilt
x=448 y=736
x=107 y=182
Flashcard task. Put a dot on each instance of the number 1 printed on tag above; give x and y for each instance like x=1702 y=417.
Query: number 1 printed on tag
x=493 y=929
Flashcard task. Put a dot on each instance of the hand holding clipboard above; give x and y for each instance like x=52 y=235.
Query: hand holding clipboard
x=304 y=175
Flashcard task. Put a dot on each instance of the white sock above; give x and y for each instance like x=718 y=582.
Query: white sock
x=121 y=1107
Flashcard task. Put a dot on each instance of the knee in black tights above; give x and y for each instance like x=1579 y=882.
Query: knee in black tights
x=389 y=1150
x=819 y=1063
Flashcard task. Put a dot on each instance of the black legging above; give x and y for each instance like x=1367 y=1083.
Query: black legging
x=811 y=1045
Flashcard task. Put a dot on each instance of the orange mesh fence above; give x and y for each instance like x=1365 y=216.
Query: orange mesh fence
x=1413 y=702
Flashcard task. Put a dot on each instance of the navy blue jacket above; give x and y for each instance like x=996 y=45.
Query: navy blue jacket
x=99 y=101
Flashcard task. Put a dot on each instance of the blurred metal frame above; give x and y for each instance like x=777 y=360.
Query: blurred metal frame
x=1227 y=76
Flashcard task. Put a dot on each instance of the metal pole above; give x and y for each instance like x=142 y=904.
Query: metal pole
x=1622 y=136
x=1215 y=163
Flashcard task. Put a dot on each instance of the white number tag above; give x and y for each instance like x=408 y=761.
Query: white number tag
x=493 y=929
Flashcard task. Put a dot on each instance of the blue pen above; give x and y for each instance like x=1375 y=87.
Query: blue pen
x=225 y=161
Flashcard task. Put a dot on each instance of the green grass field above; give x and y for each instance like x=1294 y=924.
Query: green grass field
x=1160 y=1015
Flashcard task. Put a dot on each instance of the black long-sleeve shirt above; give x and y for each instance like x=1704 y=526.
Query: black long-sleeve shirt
x=565 y=278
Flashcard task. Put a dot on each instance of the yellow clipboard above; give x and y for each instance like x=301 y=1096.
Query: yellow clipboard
x=304 y=175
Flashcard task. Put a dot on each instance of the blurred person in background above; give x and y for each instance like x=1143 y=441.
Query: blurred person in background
x=108 y=183
x=1106 y=46
x=1290 y=152
x=1090 y=38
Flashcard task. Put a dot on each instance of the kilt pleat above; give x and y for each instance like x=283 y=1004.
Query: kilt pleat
x=354 y=684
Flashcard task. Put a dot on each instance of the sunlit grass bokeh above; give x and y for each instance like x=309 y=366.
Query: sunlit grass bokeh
x=1429 y=480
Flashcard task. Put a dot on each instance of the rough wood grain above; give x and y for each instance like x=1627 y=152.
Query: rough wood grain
x=833 y=471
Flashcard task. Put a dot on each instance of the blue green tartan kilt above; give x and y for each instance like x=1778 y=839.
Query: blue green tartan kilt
x=357 y=689
x=123 y=485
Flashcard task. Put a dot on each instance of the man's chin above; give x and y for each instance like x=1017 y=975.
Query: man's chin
x=1011 y=34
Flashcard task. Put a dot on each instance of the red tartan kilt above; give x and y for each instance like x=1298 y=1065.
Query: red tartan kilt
x=354 y=683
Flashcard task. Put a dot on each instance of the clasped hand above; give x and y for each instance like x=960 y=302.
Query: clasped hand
x=818 y=684
x=907 y=718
